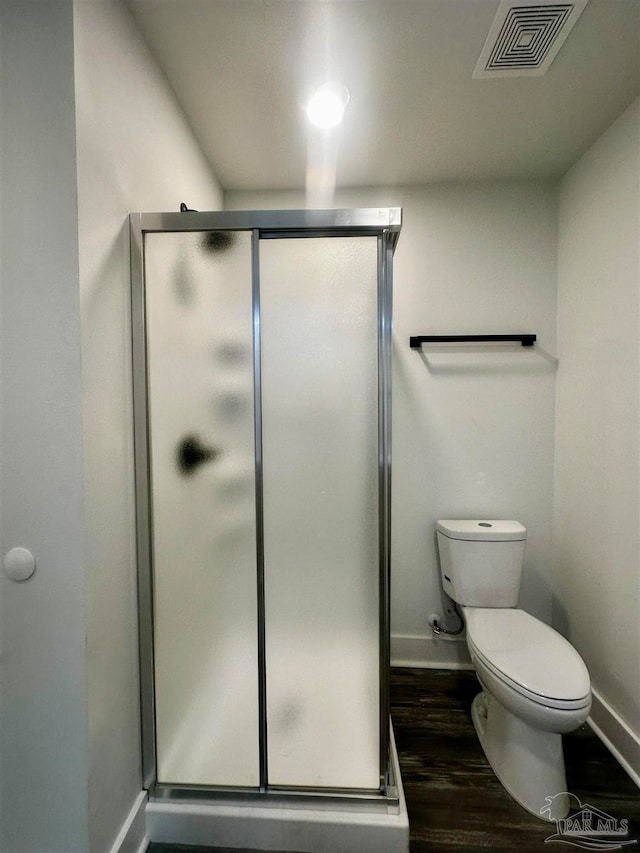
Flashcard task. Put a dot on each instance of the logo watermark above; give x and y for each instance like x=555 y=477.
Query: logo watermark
x=588 y=827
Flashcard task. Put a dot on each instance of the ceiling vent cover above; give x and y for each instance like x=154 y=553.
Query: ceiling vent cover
x=525 y=37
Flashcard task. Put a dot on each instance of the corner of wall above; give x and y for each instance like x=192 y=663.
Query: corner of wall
x=429 y=652
x=597 y=454
x=124 y=164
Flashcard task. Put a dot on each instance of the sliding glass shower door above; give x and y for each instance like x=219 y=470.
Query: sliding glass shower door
x=261 y=367
x=202 y=480
x=319 y=320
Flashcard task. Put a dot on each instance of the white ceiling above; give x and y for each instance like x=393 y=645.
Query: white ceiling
x=242 y=70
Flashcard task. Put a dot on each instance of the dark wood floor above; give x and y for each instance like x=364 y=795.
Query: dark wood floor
x=455 y=803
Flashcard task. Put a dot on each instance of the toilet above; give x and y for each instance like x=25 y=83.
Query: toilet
x=535 y=685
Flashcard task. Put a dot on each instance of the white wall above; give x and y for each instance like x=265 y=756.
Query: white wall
x=135 y=153
x=596 y=571
x=69 y=692
x=43 y=688
x=472 y=429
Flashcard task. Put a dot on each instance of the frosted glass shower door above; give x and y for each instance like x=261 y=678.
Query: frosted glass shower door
x=199 y=325
x=319 y=331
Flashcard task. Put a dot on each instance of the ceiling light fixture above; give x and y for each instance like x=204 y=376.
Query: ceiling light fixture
x=325 y=108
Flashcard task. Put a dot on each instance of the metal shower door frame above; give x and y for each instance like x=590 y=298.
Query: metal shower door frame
x=385 y=225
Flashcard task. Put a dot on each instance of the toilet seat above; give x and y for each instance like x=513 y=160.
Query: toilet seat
x=528 y=656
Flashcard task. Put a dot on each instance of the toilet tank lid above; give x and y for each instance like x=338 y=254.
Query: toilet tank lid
x=479 y=529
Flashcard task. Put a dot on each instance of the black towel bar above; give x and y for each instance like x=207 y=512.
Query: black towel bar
x=418 y=340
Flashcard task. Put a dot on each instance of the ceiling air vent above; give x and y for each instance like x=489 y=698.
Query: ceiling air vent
x=525 y=37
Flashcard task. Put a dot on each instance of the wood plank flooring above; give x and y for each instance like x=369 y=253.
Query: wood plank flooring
x=455 y=803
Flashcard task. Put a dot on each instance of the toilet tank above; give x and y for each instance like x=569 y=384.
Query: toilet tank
x=481 y=561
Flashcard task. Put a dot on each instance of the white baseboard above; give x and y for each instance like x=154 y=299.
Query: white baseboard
x=429 y=652
x=132 y=837
x=617 y=736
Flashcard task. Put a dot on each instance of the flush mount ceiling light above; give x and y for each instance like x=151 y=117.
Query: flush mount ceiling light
x=325 y=108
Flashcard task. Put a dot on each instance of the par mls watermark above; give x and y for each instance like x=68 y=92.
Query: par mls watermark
x=587 y=826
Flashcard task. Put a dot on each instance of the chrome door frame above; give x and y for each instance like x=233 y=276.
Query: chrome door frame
x=383 y=223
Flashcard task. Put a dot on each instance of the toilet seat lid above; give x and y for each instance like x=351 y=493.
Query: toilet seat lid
x=527 y=652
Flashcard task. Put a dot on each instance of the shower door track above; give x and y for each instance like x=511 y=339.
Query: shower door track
x=385 y=225
x=279 y=796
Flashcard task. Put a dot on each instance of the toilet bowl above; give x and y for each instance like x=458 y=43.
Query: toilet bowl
x=529 y=667
x=535 y=684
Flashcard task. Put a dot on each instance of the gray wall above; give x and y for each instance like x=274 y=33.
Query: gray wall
x=597 y=501
x=43 y=691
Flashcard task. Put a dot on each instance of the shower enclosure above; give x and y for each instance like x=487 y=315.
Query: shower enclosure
x=262 y=382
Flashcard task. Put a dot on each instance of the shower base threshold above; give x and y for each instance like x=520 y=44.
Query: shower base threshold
x=339 y=826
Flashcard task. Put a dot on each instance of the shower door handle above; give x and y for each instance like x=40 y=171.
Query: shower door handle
x=192 y=453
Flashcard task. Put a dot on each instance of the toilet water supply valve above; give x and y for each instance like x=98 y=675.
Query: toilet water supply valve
x=438 y=629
